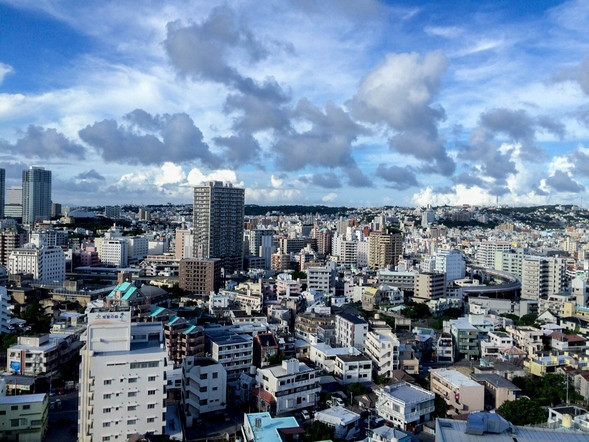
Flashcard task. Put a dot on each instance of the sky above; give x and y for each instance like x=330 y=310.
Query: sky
x=360 y=103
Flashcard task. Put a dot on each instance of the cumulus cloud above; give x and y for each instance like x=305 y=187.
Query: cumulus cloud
x=562 y=182
x=327 y=180
x=38 y=142
x=329 y=198
x=400 y=94
x=4 y=71
x=578 y=74
x=90 y=175
x=196 y=177
x=239 y=149
x=173 y=138
x=399 y=178
x=254 y=195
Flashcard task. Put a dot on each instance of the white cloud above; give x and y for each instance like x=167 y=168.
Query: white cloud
x=4 y=70
x=273 y=196
x=197 y=177
x=276 y=181
x=330 y=197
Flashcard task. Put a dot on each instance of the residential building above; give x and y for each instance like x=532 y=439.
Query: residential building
x=459 y=392
x=445 y=348
x=485 y=253
x=388 y=434
x=24 y=417
x=324 y=355
x=34 y=355
x=383 y=349
x=402 y=280
x=204 y=387
x=265 y=346
x=429 y=286
x=288 y=387
x=498 y=390
x=497 y=341
x=36 y=195
x=405 y=405
x=5 y=311
x=2 y=192
x=46 y=264
x=526 y=338
x=353 y=368
x=113 y=252
x=183 y=338
x=542 y=277
x=451 y=263
x=261 y=427
x=218 y=224
x=320 y=279
x=350 y=331
x=345 y=423
x=233 y=351
x=13 y=205
x=122 y=377
x=200 y=276
x=384 y=249
x=11 y=238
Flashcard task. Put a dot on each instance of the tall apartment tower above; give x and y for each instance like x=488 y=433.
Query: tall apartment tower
x=2 y=192
x=36 y=195
x=384 y=249
x=13 y=203
x=122 y=377
x=218 y=224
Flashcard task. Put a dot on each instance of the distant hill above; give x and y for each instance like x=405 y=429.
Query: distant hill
x=255 y=210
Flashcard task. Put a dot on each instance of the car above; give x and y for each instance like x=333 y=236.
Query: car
x=305 y=414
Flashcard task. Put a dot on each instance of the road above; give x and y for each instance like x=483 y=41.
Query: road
x=63 y=421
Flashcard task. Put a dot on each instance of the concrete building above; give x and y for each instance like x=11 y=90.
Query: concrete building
x=114 y=251
x=288 y=387
x=405 y=405
x=218 y=224
x=200 y=276
x=2 y=192
x=402 y=280
x=13 y=205
x=24 y=417
x=122 y=378
x=497 y=341
x=350 y=331
x=204 y=388
x=384 y=249
x=429 y=286
x=320 y=279
x=485 y=253
x=498 y=390
x=36 y=195
x=542 y=277
x=11 y=238
x=529 y=339
x=383 y=349
x=46 y=264
x=261 y=427
x=233 y=351
x=345 y=423
x=184 y=244
x=353 y=368
x=451 y=263
x=460 y=392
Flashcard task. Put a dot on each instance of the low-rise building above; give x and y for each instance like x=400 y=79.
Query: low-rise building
x=261 y=427
x=24 y=418
x=383 y=349
x=350 y=331
x=204 y=387
x=497 y=389
x=353 y=368
x=288 y=387
x=460 y=392
x=345 y=423
x=527 y=338
x=233 y=351
x=497 y=341
x=405 y=405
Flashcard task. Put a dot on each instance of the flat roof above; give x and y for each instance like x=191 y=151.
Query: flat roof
x=456 y=378
x=354 y=319
x=409 y=393
x=495 y=380
x=337 y=416
x=267 y=431
x=22 y=399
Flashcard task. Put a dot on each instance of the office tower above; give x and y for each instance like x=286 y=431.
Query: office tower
x=13 y=204
x=36 y=195
x=122 y=377
x=218 y=224
x=2 y=192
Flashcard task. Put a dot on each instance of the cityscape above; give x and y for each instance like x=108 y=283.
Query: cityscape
x=294 y=221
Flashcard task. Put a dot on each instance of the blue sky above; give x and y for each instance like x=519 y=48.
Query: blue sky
x=358 y=103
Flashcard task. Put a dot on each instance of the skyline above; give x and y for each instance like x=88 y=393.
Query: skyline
x=337 y=103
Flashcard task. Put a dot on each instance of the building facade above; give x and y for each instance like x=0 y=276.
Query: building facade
x=36 y=195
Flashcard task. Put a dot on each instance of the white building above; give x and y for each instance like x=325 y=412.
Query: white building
x=46 y=264
x=344 y=422
x=33 y=355
x=122 y=378
x=5 y=312
x=319 y=279
x=497 y=341
x=204 y=387
x=383 y=349
x=324 y=355
x=233 y=351
x=138 y=247
x=350 y=331
x=113 y=252
x=353 y=368
x=451 y=263
x=405 y=405
x=485 y=254
x=288 y=387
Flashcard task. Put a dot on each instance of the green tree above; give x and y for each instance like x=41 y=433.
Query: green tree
x=318 y=431
x=522 y=412
x=414 y=310
x=441 y=407
x=356 y=389
x=276 y=359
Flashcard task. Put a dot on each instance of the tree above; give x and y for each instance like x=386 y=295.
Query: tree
x=318 y=431
x=522 y=412
x=441 y=407
x=356 y=389
x=276 y=359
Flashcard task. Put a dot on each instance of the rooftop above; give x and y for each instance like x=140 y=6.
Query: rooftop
x=269 y=428
x=455 y=378
x=352 y=318
x=22 y=399
x=495 y=380
x=409 y=393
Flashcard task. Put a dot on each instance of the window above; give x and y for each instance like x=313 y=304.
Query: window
x=14 y=422
x=26 y=407
x=215 y=375
x=131 y=421
x=107 y=381
x=106 y=410
x=132 y=408
x=14 y=407
x=151 y=378
x=148 y=364
x=151 y=392
x=105 y=424
x=132 y=394
x=150 y=406
x=105 y=438
x=203 y=376
x=150 y=420
x=132 y=380
x=203 y=389
x=106 y=396
x=2 y=412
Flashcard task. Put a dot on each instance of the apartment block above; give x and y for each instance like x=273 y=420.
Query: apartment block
x=200 y=276
x=383 y=349
x=405 y=405
x=353 y=368
x=233 y=351
x=350 y=331
x=204 y=387
x=24 y=417
x=460 y=392
x=429 y=286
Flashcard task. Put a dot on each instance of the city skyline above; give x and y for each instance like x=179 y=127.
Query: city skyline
x=337 y=103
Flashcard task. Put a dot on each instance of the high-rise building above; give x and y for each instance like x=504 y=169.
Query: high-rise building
x=122 y=377
x=36 y=195
x=218 y=224
x=13 y=204
x=201 y=276
x=384 y=249
x=2 y=192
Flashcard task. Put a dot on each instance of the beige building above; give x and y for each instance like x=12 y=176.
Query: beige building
x=201 y=276
x=497 y=389
x=529 y=339
x=384 y=249
x=461 y=393
x=24 y=417
x=429 y=286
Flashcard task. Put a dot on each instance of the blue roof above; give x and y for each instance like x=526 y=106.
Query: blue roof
x=189 y=329
x=157 y=311
x=174 y=319
x=268 y=430
x=129 y=293
x=123 y=287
